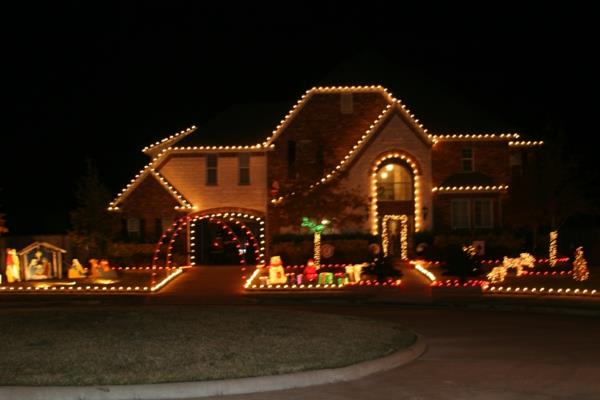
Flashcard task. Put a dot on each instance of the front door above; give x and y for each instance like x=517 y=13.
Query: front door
x=394 y=235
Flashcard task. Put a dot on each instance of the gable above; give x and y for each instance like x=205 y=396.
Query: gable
x=149 y=193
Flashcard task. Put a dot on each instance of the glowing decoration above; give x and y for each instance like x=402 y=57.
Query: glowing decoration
x=425 y=272
x=478 y=189
x=580 y=269
x=353 y=272
x=410 y=162
x=498 y=273
x=76 y=270
x=476 y=136
x=310 y=272
x=325 y=278
x=169 y=236
x=528 y=143
x=276 y=272
x=403 y=235
x=317 y=229
x=540 y=291
x=13 y=266
x=553 y=248
x=170 y=139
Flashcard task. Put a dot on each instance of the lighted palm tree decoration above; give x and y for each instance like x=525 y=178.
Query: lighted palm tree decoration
x=317 y=229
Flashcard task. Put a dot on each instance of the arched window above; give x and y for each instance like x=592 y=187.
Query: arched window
x=394 y=183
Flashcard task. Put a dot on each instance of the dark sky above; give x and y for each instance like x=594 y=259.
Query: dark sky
x=106 y=80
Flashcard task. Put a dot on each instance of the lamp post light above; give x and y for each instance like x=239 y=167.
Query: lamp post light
x=316 y=229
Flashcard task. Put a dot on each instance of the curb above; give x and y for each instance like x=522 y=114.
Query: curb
x=189 y=390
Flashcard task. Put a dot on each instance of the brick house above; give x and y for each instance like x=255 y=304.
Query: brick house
x=242 y=175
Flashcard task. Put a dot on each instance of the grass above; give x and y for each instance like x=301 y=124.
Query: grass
x=93 y=346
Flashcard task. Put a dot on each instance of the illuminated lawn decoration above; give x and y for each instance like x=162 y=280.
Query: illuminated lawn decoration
x=580 y=269
x=130 y=280
x=540 y=291
x=553 y=248
x=167 y=241
x=425 y=272
x=498 y=274
x=330 y=277
x=403 y=234
x=316 y=229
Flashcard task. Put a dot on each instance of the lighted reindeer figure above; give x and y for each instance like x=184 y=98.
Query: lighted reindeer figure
x=498 y=274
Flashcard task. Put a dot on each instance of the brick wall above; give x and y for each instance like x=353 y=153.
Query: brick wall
x=149 y=201
x=489 y=157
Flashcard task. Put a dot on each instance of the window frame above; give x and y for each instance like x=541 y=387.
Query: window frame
x=212 y=177
x=244 y=166
x=470 y=158
x=453 y=223
x=490 y=208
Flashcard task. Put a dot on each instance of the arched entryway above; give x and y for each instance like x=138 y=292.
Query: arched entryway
x=212 y=238
x=395 y=188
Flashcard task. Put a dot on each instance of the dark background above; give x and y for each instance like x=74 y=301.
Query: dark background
x=104 y=81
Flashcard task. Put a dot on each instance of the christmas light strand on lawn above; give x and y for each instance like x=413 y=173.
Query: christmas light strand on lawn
x=580 y=269
x=374 y=192
x=425 y=272
x=540 y=291
x=385 y=240
x=553 y=248
x=478 y=189
x=170 y=139
x=94 y=289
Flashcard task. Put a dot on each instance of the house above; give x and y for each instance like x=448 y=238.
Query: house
x=238 y=184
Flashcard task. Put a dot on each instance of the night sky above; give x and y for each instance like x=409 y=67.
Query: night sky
x=105 y=81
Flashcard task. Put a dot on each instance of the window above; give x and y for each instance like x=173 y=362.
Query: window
x=291 y=159
x=346 y=103
x=244 y=169
x=467 y=159
x=133 y=227
x=394 y=183
x=211 y=169
x=460 y=214
x=483 y=213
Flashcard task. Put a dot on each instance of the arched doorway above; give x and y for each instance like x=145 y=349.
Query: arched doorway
x=394 y=201
x=212 y=238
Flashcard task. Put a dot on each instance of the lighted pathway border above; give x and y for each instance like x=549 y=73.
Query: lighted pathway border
x=190 y=390
x=94 y=289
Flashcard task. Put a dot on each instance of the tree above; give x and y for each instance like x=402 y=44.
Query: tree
x=341 y=207
x=93 y=227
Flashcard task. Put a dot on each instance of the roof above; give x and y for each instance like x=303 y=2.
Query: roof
x=238 y=125
x=35 y=245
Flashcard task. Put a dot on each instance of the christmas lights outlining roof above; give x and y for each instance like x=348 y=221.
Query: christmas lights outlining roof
x=478 y=189
x=268 y=143
x=343 y=164
x=168 y=140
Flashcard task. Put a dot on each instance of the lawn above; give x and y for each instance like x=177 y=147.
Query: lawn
x=128 y=345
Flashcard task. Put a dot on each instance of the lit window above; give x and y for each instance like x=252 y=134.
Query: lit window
x=467 y=159
x=244 y=169
x=483 y=213
x=211 y=169
x=461 y=215
x=394 y=183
